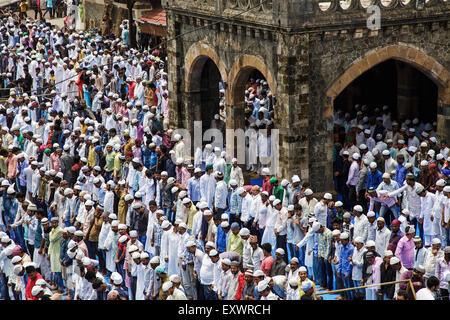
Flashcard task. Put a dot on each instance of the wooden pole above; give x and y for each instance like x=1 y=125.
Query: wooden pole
x=363 y=287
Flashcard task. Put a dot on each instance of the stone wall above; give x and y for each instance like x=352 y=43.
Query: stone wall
x=309 y=55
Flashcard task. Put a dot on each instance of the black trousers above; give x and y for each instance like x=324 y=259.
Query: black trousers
x=281 y=243
x=351 y=196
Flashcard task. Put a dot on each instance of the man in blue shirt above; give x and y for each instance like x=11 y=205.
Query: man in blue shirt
x=344 y=268
x=223 y=231
x=193 y=186
x=400 y=171
x=374 y=177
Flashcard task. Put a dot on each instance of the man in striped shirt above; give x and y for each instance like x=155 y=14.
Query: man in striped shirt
x=324 y=250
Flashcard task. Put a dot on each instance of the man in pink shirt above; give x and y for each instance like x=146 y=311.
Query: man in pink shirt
x=55 y=164
x=266 y=264
x=11 y=164
x=405 y=248
x=374 y=278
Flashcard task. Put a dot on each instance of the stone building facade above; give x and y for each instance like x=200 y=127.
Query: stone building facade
x=308 y=56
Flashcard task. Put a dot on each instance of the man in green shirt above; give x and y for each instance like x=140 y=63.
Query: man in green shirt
x=278 y=190
x=235 y=242
x=110 y=157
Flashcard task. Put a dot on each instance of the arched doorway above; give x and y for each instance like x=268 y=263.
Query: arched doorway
x=205 y=74
x=252 y=97
x=405 y=90
x=386 y=97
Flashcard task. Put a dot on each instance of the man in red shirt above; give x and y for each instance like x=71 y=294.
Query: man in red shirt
x=267 y=186
x=266 y=264
x=131 y=87
x=122 y=249
x=33 y=276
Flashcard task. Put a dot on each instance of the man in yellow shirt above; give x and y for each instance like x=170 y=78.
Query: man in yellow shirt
x=235 y=242
x=303 y=275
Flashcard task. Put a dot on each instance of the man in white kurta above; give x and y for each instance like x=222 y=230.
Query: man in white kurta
x=427 y=200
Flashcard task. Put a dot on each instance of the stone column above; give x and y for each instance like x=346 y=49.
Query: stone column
x=292 y=110
x=443 y=113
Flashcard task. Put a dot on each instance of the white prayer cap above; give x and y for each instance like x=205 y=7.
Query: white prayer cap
x=183 y=225
x=186 y=200
x=89 y=203
x=370 y=213
x=408 y=165
x=355 y=156
x=167 y=285
x=207 y=213
x=224 y=224
x=316 y=226
x=174 y=278
x=136 y=255
x=265 y=171
x=71 y=229
x=373 y=165
x=386 y=175
x=128 y=197
x=183 y=193
x=295 y=178
x=440 y=183
x=177 y=137
x=265 y=193
x=338 y=204
x=424 y=163
x=244 y=232
x=276 y=202
x=290 y=207
x=170 y=180
x=144 y=255
x=136 y=205
x=367 y=131
x=233 y=182
x=394 y=260
x=344 y=236
x=71 y=244
x=16 y=259
x=370 y=243
x=116 y=278
x=284 y=182
x=122 y=226
x=336 y=232
x=439 y=156
x=280 y=251
x=36 y=290
x=115 y=223
x=436 y=241
x=78 y=233
x=133 y=234
x=388 y=253
x=375 y=151
x=123 y=238
x=386 y=152
x=213 y=253
x=240 y=190
x=155 y=260
x=202 y=205
x=190 y=243
x=263 y=285
x=165 y=224
x=17 y=269
x=328 y=196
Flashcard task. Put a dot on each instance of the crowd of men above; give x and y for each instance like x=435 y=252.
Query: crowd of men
x=100 y=200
